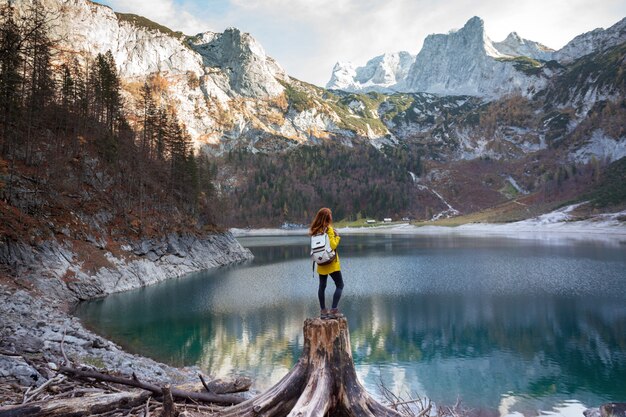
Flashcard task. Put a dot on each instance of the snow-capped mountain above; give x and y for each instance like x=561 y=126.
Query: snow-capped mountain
x=224 y=87
x=465 y=61
x=229 y=93
x=379 y=74
x=514 y=45
x=463 y=98
x=596 y=40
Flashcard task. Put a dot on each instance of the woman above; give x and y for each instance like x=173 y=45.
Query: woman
x=323 y=223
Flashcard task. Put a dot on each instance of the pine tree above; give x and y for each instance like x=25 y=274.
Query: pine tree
x=106 y=106
x=161 y=133
x=150 y=120
x=10 y=77
x=105 y=84
x=39 y=54
x=67 y=89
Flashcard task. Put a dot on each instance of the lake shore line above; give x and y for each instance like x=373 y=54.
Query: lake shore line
x=38 y=328
x=555 y=225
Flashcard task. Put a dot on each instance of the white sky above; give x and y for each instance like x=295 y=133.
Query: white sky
x=307 y=37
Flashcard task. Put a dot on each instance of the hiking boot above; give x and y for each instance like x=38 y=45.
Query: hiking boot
x=325 y=314
x=335 y=313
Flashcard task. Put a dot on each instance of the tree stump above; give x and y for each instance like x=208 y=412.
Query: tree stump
x=322 y=383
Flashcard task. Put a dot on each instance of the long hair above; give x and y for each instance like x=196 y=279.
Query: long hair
x=322 y=220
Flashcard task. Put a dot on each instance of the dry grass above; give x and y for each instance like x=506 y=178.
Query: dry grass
x=510 y=211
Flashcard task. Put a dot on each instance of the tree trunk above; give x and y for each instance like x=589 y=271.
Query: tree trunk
x=222 y=399
x=322 y=383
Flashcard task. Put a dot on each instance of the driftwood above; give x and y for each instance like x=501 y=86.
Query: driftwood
x=82 y=406
x=29 y=395
x=222 y=399
x=322 y=383
x=221 y=386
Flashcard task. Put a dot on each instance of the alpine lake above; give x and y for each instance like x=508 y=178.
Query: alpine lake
x=506 y=326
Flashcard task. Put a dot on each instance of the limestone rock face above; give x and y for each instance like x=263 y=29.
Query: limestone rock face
x=514 y=45
x=381 y=73
x=147 y=262
x=467 y=62
x=343 y=77
x=462 y=62
x=250 y=71
x=596 y=40
x=211 y=78
x=89 y=28
x=141 y=47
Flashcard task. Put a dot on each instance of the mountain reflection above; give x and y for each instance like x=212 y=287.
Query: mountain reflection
x=505 y=341
x=444 y=346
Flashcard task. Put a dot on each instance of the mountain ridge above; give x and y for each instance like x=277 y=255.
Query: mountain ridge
x=445 y=59
x=241 y=108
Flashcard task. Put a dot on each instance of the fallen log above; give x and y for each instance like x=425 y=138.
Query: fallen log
x=81 y=406
x=227 y=386
x=322 y=383
x=221 y=399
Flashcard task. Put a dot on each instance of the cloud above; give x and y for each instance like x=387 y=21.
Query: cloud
x=165 y=12
x=307 y=37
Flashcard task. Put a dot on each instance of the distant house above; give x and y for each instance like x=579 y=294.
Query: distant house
x=387 y=220
x=405 y=219
x=370 y=221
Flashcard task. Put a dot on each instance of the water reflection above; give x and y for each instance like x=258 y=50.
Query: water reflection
x=513 y=326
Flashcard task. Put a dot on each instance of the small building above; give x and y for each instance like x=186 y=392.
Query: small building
x=406 y=219
x=369 y=221
x=387 y=220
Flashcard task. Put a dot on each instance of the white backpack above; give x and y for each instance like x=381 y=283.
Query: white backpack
x=321 y=253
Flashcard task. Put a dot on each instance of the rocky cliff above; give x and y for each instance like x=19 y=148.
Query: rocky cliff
x=76 y=270
x=230 y=94
x=461 y=62
x=250 y=71
x=46 y=279
x=514 y=45
x=225 y=88
x=484 y=100
x=597 y=40
x=381 y=73
x=466 y=61
x=50 y=277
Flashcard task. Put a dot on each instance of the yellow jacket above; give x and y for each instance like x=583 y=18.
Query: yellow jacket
x=334 y=265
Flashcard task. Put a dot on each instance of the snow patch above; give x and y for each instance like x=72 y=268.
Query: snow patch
x=449 y=212
x=471 y=148
x=602 y=147
x=516 y=185
x=381 y=73
x=557 y=227
x=557 y=216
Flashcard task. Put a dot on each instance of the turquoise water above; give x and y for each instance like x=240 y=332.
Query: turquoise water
x=512 y=326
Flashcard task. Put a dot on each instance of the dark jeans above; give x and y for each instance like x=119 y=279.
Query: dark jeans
x=336 y=276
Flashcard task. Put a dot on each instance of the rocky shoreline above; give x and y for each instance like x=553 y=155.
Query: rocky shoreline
x=49 y=279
